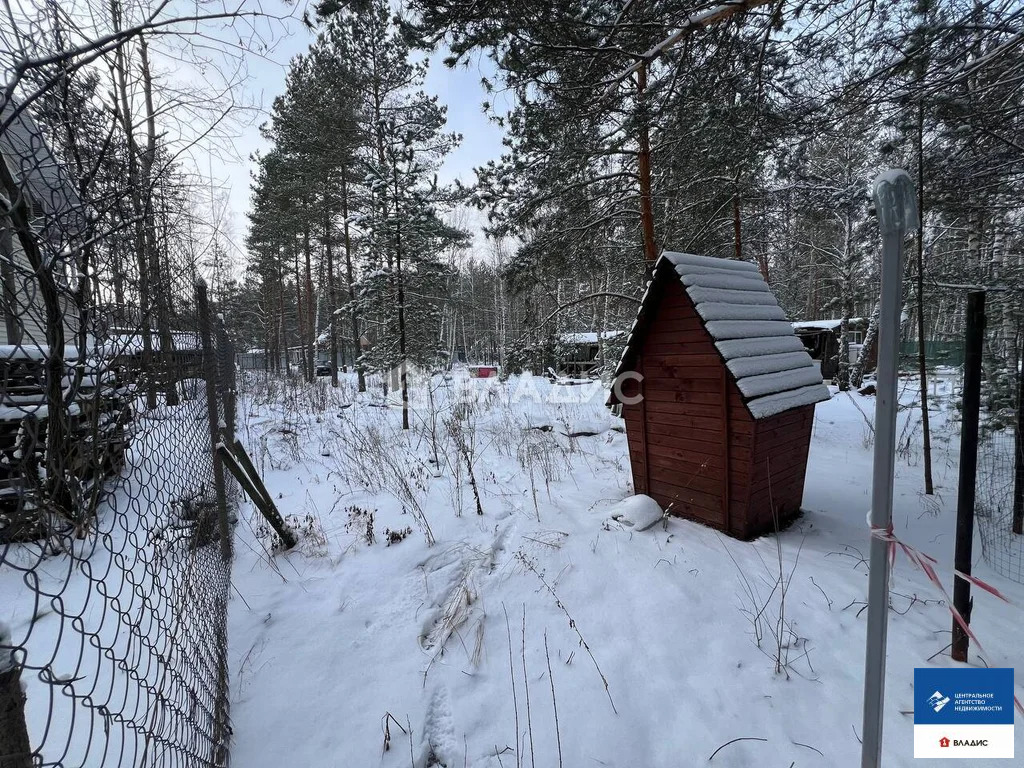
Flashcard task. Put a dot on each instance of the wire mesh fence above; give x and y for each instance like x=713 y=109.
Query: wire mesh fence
x=1000 y=503
x=115 y=384
x=999 y=487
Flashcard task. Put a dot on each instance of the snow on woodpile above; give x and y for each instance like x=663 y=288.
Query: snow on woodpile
x=752 y=333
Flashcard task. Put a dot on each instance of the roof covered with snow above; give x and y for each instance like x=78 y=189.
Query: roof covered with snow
x=754 y=337
x=832 y=324
x=587 y=337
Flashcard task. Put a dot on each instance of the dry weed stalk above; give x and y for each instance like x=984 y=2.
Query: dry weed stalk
x=554 y=702
x=521 y=556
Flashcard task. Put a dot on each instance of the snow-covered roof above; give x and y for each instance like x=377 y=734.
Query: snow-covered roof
x=587 y=337
x=825 y=325
x=130 y=342
x=755 y=339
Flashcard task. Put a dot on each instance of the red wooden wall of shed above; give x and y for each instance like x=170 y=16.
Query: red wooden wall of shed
x=679 y=434
x=780 y=466
x=693 y=444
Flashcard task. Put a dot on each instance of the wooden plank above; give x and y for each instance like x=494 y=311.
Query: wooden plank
x=679 y=409
x=678 y=311
x=686 y=359
x=779 y=454
x=656 y=394
x=782 y=440
x=688 y=501
x=676 y=342
x=666 y=443
x=676 y=346
x=683 y=329
x=727 y=478
x=778 y=477
x=785 y=495
x=701 y=440
x=705 y=482
x=787 y=501
x=781 y=462
x=694 y=417
x=705 y=439
x=686 y=459
x=643 y=427
x=659 y=381
x=660 y=368
x=786 y=418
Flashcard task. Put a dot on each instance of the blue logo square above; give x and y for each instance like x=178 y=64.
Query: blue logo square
x=963 y=696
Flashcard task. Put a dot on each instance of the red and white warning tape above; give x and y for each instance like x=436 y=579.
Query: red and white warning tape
x=927 y=563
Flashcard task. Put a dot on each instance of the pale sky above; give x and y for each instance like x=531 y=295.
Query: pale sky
x=459 y=89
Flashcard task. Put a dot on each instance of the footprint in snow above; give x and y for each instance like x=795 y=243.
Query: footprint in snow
x=439 y=745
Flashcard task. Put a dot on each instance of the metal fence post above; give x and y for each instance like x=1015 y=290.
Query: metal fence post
x=15 y=750
x=226 y=378
x=211 y=369
x=210 y=372
x=897 y=214
x=970 y=410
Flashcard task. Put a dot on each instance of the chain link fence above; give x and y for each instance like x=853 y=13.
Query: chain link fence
x=116 y=382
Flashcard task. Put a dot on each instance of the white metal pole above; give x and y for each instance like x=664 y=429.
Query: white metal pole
x=896 y=207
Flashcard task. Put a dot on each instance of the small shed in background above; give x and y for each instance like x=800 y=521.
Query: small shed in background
x=719 y=425
x=823 y=341
x=580 y=353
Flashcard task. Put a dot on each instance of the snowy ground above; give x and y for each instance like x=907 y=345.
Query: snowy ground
x=657 y=647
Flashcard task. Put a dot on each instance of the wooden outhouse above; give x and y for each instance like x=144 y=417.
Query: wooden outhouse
x=718 y=396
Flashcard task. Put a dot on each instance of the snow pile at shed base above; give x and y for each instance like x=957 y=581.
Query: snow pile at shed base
x=747 y=323
x=640 y=512
x=338 y=634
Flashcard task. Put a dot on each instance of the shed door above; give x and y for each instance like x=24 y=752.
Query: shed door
x=686 y=428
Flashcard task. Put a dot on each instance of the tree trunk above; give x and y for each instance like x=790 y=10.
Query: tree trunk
x=870 y=340
x=160 y=291
x=843 y=364
x=644 y=169
x=737 y=226
x=310 y=329
x=138 y=212
x=279 y=329
x=299 y=314
x=332 y=298
x=401 y=311
x=356 y=345
x=922 y=361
